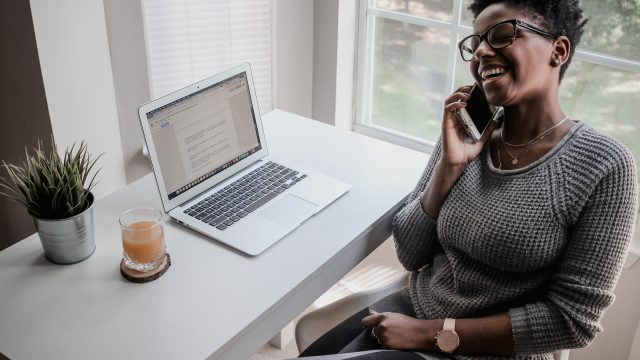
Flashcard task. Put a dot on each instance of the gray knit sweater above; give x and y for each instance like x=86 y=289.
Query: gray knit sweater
x=546 y=242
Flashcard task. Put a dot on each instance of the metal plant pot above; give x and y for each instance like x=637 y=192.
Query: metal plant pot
x=70 y=240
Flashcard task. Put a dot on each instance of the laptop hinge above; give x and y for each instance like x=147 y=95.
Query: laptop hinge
x=197 y=196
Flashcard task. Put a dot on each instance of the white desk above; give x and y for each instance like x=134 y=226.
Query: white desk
x=213 y=302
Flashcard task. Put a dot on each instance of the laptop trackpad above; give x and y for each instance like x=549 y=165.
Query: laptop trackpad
x=289 y=211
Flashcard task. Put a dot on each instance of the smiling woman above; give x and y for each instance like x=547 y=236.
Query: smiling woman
x=515 y=242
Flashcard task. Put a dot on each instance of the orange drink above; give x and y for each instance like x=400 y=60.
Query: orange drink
x=142 y=239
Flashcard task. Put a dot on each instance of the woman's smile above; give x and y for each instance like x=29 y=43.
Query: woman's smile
x=491 y=73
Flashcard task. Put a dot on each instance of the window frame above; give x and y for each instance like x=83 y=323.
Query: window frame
x=367 y=14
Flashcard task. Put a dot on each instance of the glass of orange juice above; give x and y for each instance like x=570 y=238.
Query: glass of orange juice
x=142 y=238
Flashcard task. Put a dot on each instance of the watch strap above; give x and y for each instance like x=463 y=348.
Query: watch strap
x=449 y=324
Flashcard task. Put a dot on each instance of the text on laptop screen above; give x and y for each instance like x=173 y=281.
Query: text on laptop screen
x=204 y=133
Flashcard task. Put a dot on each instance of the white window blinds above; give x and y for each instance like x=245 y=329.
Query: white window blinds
x=189 y=40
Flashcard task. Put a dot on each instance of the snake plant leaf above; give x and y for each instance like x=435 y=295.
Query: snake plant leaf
x=50 y=186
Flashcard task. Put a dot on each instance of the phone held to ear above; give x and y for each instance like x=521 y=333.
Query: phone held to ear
x=478 y=113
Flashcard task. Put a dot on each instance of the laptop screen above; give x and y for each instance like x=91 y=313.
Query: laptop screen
x=203 y=133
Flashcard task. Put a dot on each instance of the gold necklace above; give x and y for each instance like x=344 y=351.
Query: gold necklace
x=515 y=158
x=541 y=135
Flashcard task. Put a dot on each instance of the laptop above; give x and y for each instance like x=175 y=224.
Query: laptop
x=213 y=169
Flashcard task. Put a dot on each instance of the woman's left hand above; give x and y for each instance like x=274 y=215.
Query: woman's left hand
x=398 y=331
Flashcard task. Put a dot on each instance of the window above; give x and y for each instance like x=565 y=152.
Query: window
x=409 y=63
x=189 y=40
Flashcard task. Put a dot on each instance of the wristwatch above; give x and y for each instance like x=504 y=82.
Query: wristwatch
x=447 y=339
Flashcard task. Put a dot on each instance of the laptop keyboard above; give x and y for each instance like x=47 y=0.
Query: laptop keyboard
x=243 y=196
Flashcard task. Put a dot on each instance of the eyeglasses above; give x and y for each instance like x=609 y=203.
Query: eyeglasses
x=498 y=36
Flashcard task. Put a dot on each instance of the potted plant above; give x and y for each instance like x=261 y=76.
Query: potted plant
x=57 y=194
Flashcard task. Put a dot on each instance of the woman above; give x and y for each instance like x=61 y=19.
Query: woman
x=517 y=240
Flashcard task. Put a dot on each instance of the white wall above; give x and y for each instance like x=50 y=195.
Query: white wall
x=293 y=65
x=315 y=59
x=325 y=50
x=74 y=56
x=127 y=45
x=634 y=354
x=334 y=59
x=346 y=71
x=620 y=321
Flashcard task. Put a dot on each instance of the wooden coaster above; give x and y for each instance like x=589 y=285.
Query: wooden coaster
x=143 y=277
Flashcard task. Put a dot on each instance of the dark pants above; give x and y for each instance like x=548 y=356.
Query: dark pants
x=351 y=337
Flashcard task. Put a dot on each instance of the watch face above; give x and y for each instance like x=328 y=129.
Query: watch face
x=448 y=340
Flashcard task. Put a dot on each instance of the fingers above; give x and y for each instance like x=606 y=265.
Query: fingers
x=372 y=320
x=376 y=336
x=457 y=100
x=461 y=94
x=452 y=107
x=456 y=97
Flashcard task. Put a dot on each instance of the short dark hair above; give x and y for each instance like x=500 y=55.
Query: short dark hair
x=562 y=17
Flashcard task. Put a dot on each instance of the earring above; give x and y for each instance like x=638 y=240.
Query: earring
x=555 y=62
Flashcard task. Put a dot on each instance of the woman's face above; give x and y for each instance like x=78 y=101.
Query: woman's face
x=526 y=63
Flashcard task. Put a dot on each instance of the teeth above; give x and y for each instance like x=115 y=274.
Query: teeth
x=485 y=74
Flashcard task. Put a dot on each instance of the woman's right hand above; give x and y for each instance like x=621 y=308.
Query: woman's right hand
x=458 y=148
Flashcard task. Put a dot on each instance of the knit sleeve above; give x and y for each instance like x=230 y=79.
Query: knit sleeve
x=582 y=288
x=414 y=231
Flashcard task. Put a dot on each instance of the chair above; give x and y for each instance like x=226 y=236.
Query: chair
x=313 y=324
x=377 y=276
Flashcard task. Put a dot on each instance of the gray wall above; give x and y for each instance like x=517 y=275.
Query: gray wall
x=24 y=116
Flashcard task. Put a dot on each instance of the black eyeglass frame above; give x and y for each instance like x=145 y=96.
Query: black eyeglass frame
x=484 y=36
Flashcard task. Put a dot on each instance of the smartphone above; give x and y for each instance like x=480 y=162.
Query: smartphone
x=478 y=113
